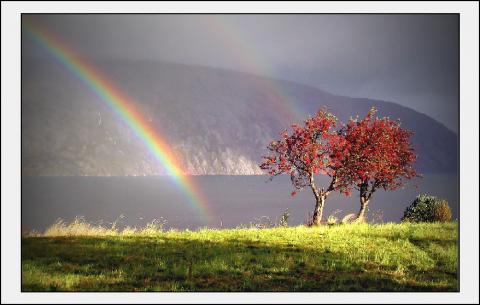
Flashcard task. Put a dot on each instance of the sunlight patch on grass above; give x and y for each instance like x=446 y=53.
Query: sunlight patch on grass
x=360 y=257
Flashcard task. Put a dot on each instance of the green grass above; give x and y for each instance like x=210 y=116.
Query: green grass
x=386 y=257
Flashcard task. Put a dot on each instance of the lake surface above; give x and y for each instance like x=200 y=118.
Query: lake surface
x=232 y=200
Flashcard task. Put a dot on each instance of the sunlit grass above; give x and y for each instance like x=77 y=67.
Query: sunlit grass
x=80 y=227
x=362 y=257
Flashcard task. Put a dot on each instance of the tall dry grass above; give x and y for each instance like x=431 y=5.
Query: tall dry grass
x=80 y=227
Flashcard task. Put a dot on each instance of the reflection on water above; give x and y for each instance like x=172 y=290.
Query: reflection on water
x=232 y=200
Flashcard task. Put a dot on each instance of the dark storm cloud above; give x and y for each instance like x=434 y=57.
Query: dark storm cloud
x=408 y=59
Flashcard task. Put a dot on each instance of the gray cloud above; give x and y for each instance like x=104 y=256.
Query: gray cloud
x=408 y=59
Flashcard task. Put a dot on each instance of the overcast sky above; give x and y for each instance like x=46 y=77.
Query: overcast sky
x=408 y=59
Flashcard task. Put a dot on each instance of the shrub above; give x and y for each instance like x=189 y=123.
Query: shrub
x=348 y=218
x=263 y=222
x=331 y=220
x=442 y=212
x=427 y=208
x=284 y=219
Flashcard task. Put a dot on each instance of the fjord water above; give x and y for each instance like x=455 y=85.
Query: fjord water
x=232 y=200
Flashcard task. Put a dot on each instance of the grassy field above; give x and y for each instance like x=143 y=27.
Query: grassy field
x=386 y=257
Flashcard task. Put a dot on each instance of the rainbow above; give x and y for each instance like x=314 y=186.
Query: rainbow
x=124 y=107
x=243 y=50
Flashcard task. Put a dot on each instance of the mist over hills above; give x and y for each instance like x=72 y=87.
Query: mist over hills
x=218 y=122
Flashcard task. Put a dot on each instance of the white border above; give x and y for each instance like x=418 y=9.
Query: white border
x=10 y=157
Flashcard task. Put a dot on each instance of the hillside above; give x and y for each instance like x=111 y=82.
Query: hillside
x=217 y=121
x=388 y=257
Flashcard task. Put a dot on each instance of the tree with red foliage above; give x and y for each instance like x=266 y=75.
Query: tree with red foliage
x=377 y=153
x=306 y=152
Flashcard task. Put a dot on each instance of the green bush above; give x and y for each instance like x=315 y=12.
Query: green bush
x=427 y=208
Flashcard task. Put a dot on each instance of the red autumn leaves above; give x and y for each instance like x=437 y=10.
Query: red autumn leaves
x=379 y=153
x=365 y=154
x=306 y=151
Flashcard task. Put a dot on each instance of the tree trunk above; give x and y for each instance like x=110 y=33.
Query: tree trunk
x=319 y=203
x=363 y=208
x=318 y=213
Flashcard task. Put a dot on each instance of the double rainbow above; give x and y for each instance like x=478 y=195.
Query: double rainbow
x=124 y=107
x=242 y=48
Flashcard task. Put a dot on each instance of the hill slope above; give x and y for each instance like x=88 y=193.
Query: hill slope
x=388 y=257
x=218 y=121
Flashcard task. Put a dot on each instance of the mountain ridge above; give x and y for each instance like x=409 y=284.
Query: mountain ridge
x=218 y=121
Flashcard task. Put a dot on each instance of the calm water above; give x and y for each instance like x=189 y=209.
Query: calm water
x=232 y=200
